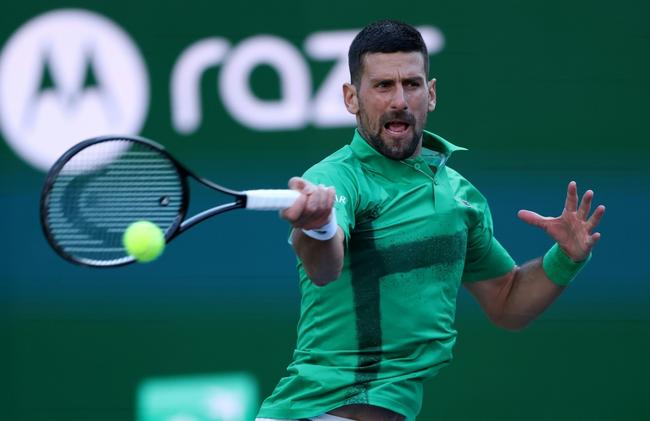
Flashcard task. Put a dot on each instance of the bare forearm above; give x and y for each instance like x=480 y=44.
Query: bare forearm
x=322 y=260
x=526 y=295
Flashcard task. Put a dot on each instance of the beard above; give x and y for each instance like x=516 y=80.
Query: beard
x=396 y=150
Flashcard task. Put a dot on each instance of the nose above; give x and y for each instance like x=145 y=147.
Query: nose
x=399 y=99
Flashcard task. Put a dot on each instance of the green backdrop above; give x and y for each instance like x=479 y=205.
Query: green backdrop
x=540 y=92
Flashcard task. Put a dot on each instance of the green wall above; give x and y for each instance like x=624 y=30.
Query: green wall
x=540 y=92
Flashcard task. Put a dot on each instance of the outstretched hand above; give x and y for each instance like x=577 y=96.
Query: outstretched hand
x=573 y=230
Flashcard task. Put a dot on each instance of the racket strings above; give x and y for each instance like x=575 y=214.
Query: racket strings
x=104 y=188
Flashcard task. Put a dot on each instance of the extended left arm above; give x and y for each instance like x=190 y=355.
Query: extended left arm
x=518 y=297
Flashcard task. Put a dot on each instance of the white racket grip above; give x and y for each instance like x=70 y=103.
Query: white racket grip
x=270 y=199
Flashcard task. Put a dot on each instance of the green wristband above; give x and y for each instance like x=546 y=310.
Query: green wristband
x=559 y=267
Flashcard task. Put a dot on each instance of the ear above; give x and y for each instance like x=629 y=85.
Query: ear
x=432 y=94
x=350 y=98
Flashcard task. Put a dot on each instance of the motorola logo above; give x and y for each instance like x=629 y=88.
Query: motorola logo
x=65 y=76
x=71 y=74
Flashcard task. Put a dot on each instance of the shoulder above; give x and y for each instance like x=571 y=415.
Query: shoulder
x=340 y=165
x=463 y=189
x=457 y=181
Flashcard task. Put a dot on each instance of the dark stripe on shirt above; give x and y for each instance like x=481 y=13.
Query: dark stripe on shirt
x=368 y=265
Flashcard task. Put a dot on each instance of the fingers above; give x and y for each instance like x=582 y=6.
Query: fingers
x=595 y=218
x=293 y=212
x=585 y=204
x=321 y=201
x=533 y=218
x=301 y=185
x=329 y=197
x=317 y=209
x=573 y=229
x=593 y=239
x=585 y=207
x=571 y=203
x=313 y=207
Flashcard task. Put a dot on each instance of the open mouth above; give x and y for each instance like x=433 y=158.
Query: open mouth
x=397 y=127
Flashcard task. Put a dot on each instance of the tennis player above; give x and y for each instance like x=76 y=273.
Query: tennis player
x=379 y=275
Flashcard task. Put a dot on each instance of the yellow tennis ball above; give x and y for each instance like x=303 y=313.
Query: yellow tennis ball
x=144 y=241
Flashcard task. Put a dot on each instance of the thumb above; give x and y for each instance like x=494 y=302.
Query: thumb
x=301 y=185
x=296 y=183
x=532 y=218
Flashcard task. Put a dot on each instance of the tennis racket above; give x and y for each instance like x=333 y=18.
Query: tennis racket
x=96 y=189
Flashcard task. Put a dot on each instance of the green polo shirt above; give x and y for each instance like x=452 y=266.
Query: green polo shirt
x=415 y=229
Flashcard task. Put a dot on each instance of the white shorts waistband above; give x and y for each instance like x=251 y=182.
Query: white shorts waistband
x=324 y=417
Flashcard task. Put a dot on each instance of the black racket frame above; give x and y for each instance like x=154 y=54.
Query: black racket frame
x=179 y=225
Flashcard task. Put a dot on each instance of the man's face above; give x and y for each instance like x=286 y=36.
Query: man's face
x=391 y=102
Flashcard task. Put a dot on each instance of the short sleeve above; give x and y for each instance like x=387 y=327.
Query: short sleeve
x=339 y=177
x=486 y=258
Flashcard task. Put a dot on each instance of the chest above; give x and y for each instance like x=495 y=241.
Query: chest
x=408 y=210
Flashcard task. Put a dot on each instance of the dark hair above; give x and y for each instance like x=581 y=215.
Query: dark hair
x=384 y=36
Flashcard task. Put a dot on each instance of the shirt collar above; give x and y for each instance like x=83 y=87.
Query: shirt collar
x=435 y=152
